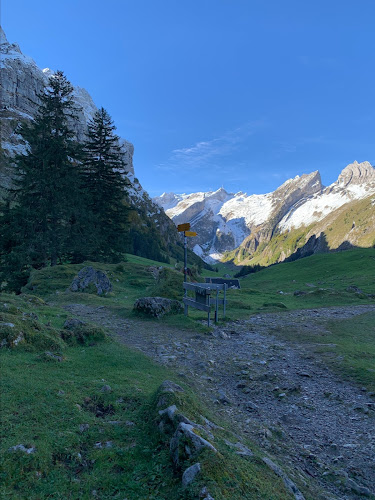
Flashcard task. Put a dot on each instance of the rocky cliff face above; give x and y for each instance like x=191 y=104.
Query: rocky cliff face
x=226 y=222
x=21 y=82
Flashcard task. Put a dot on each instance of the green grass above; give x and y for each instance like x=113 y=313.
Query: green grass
x=44 y=403
x=347 y=346
x=324 y=278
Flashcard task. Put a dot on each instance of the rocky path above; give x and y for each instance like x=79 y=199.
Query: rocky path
x=318 y=427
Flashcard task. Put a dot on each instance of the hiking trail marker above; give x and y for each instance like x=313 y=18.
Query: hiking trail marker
x=183 y=227
x=187 y=234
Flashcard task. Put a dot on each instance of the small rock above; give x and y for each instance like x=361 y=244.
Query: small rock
x=360 y=490
x=168 y=386
x=72 y=323
x=21 y=447
x=241 y=384
x=61 y=392
x=100 y=445
x=190 y=474
x=106 y=388
x=223 y=398
x=205 y=494
x=83 y=427
x=250 y=406
x=55 y=357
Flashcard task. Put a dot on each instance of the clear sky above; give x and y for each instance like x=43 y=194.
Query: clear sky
x=236 y=93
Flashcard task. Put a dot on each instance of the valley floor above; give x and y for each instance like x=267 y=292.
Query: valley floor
x=319 y=427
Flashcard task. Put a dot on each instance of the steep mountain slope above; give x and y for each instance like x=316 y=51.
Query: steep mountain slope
x=271 y=227
x=153 y=233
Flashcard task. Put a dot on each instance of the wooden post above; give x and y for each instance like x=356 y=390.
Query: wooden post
x=225 y=296
x=185 y=270
x=217 y=306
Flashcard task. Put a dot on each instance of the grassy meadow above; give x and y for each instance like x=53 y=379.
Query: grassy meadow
x=57 y=406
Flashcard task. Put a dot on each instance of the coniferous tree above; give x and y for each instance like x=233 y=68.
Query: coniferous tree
x=46 y=195
x=105 y=185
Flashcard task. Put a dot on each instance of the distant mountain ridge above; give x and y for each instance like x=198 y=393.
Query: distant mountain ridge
x=240 y=227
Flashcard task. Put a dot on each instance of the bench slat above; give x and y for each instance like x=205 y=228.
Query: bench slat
x=196 y=305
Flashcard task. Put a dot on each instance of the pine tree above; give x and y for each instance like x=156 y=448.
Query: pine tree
x=105 y=184
x=47 y=196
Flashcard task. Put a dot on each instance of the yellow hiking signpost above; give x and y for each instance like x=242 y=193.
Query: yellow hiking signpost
x=185 y=229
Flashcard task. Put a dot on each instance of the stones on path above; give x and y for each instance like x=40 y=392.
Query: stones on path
x=322 y=406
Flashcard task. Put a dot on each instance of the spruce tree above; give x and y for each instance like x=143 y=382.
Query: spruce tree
x=47 y=194
x=105 y=184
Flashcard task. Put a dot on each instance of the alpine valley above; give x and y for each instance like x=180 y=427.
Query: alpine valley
x=300 y=218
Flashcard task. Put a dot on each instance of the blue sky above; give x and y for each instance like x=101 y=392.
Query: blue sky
x=236 y=93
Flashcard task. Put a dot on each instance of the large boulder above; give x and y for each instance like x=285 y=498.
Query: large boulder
x=89 y=276
x=158 y=306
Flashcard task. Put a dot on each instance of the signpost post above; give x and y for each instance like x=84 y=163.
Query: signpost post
x=185 y=229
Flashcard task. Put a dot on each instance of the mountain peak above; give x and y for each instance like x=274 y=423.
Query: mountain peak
x=3 y=38
x=356 y=173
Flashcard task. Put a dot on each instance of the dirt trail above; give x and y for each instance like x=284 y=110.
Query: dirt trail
x=304 y=416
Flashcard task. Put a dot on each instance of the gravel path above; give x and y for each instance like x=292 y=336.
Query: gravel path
x=318 y=427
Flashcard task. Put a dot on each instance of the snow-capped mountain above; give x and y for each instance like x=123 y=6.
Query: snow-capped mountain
x=226 y=221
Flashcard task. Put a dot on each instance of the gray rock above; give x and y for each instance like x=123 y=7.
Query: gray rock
x=21 y=447
x=72 y=323
x=354 y=289
x=196 y=443
x=87 y=276
x=190 y=474
x=288 y=482
x=169 y=386
x=83 y=427
x=223 y=398
x=106 y=388
x=360 y=490
x=30 y=315
x=100 y=445
x=242 y=450
x=157 y=307
x=55 y=357
x=204 y=493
